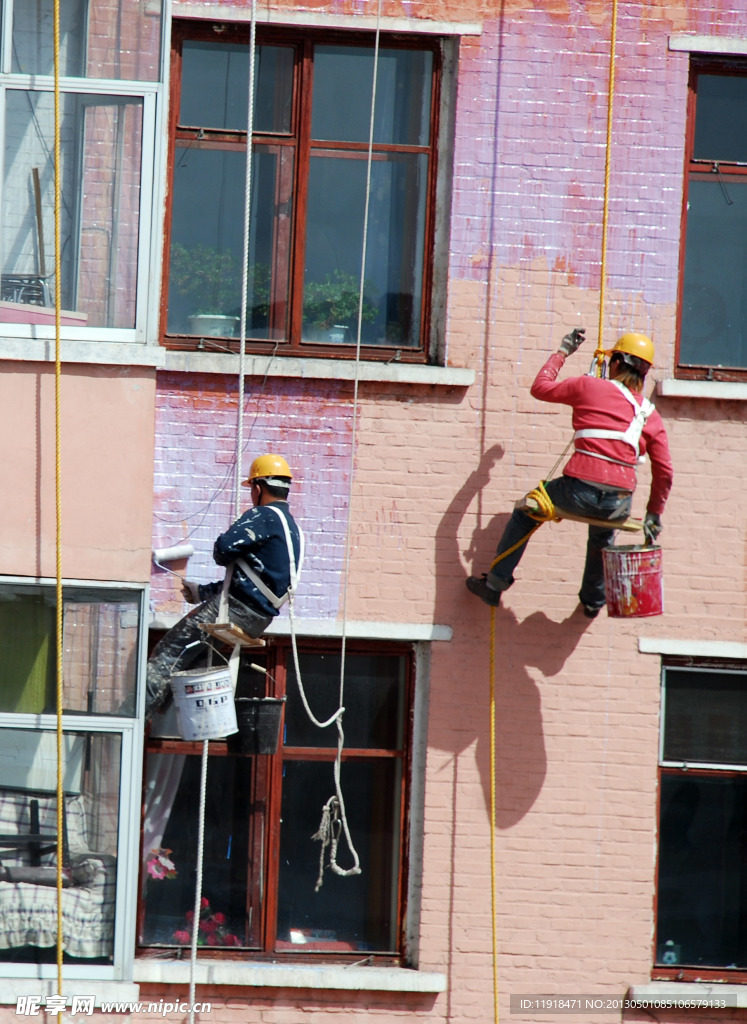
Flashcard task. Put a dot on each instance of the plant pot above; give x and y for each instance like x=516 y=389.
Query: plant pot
x=213 y=325
x=258 y=719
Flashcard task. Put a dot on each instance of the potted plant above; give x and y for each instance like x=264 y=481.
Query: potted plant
x=330 y=307
x=207 y=277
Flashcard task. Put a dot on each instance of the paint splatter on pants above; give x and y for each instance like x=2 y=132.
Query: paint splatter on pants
x=184 y=643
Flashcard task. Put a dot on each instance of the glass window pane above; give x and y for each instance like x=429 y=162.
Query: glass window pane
x=702 y=872
x=375 y=690
x=100 y=650
x=714 y=302
x=215 y=86
x=207 y=243
x=357 y=912
x=395 y=251
x=172 y=794
x=721 y=118
x=343 y=79
x=705 y=717
x=98 y=39
x=28 y=837
x=101 y=145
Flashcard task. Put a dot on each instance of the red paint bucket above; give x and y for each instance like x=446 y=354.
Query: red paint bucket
x=632 y=579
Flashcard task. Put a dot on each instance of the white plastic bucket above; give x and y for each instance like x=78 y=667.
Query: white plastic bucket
x=203 y=698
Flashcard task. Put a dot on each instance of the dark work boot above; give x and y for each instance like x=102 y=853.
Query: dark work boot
x=590 y=611
x=482 y=589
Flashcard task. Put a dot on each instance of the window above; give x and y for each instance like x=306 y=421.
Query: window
x=261 y=866
x=713 y=307
x=101 y=641
x=107 y=117
x=702 y=875
x=308 y=186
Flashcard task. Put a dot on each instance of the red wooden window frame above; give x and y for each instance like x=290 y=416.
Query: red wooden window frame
x=686 y=972
x=267 y=784
x=694 y=170
x=300 y=140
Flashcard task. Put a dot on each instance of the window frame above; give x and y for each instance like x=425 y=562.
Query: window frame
x=707 y=65
x=149 y=93
x=267 y=783
x=303 y=39
x=130 y=730
x=695 y=770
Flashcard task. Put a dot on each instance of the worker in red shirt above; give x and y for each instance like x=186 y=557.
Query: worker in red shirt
x=614 y=427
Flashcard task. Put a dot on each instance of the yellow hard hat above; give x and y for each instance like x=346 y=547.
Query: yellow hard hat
x=634 y=344
x=270 y=468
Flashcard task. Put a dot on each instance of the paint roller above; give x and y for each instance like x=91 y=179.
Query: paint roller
x=172 y=554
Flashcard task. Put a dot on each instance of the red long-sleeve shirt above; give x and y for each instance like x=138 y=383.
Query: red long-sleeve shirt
x=599 y=404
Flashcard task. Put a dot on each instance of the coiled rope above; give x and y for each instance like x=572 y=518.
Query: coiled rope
x=334 y=817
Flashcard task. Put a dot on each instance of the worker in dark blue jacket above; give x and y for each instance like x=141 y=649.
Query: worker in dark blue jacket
x=263 y=551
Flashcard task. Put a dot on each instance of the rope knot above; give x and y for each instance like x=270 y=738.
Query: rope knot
x=545 y=509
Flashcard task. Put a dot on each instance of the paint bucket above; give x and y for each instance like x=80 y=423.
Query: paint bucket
x=632 y=579
x=258 y=720
x=203 y=698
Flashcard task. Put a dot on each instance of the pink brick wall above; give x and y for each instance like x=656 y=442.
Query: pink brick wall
x=196 y=429
x=436 y=471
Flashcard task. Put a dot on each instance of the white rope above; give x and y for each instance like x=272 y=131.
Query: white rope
x=245 y=261
x=237 y=499
x=333 y=814
x=198 y=881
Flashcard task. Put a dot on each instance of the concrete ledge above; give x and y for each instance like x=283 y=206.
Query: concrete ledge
x=318 y=369
x=107 y=353
x=406 y=632
x=314 y=19
x=123 y=353
x=12 y=989
x=689 y=995
x=261 y=975
x=713 y=389
x=732 y=650
x=707 y=44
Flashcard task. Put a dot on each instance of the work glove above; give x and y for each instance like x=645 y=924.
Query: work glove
x=191 y=591
x=651 y=526
x=571 y=341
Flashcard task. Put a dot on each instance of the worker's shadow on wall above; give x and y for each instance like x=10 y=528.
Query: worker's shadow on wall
x=536 y=642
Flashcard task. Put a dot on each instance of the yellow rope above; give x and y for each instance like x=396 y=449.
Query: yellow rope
x=545 y=514
x=58 y=475
x=599 y=353
x=545 y=508
x=492 y=813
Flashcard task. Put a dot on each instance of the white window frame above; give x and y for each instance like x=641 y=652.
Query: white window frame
x=130 y=729
x=152 y=185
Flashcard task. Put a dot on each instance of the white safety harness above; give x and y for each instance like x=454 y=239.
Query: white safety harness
x=295 y=571
x=631 y=436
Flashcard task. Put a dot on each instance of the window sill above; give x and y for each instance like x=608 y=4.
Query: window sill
x=730 y=649
x=134 y=354
x=112 y=353
x=331 y=369
x=405 y=632
x=274 y=975
x=713 y=389
x=108 y=991
x=682 y=994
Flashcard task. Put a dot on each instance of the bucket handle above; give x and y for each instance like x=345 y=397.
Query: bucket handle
x=196 y=643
